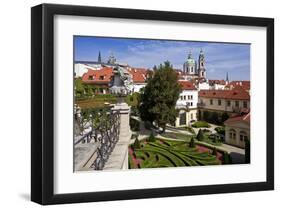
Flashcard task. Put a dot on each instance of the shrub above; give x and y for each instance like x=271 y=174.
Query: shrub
x=200 y=135
x=151 y=138
x=206 y=130
x=136 y=144
x=215 y=152
x=200 y=124
x=220 y=130
x=134 y=124
x=192 y=143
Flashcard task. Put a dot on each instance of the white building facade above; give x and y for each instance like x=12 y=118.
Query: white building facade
x=187 y=104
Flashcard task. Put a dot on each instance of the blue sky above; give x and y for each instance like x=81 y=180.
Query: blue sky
x=220 y=57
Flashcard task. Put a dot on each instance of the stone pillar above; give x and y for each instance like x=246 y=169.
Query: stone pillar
x=125 y=131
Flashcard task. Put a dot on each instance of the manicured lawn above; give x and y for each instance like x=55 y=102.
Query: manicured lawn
x=175 y=135
x=168 y=153
x=200 y=124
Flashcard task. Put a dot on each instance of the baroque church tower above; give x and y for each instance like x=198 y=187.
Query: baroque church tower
x=195 y=69
x=201 y=65
x=189 y=66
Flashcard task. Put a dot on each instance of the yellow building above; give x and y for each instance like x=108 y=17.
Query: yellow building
x=237 y=130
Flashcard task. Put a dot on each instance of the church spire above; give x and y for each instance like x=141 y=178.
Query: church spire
x=227 y=77
x=189 y=54
x=99 y=58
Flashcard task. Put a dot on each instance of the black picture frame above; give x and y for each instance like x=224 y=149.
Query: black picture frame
x=42 y=103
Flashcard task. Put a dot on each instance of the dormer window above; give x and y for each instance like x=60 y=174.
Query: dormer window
x=102 y=77
x=91 y=77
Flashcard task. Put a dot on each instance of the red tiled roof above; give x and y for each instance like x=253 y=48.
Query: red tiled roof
x=187 y=85
x=225 y=94
x=139 y=74
x=240 y=118
x=98 y=76
x=104 y=75
x=239 y=84
x=221 y=82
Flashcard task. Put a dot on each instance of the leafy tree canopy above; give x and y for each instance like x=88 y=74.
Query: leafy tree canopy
x=158 y=98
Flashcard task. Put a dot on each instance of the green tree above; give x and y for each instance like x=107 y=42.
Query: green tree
x=79 y=88
x=247 y=151
x=159 y=97
x=200 y=135
x=89 y=90
x=192 y=143
x=224 y=117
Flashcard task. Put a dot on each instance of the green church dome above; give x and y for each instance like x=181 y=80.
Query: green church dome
x=190 y=60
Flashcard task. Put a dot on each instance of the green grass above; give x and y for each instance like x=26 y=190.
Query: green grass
x=211 y=141
x=95 y=102
x=190 y=129
x=200 y=124
x=175 y=135
x=168 y=153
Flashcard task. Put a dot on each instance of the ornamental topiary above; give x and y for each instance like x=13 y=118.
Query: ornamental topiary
x=200 y=135
x=215 y=152
x=192 y=143
x=151 y=138
x=136 y=144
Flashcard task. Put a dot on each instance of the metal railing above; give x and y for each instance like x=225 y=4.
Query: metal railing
x=101 y=127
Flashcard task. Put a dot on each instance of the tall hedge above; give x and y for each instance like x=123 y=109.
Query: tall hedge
x=200 y=135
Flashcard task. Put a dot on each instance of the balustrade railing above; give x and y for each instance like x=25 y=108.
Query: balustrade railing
x=100 y=127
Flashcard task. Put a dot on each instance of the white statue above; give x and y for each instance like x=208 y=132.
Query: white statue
x=121 y=84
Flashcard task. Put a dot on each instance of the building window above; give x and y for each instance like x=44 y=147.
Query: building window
x=181 y=97
x=191 y=96
x=219 y=102
x=102 y=77
x=191 y=116
x=191 y=104
x=245 y=104
x=228 y=103
x=232 y=134
x=184 y=97
x=91 y=77
x=243 y=136
x=211 y=102
x=236 y=103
